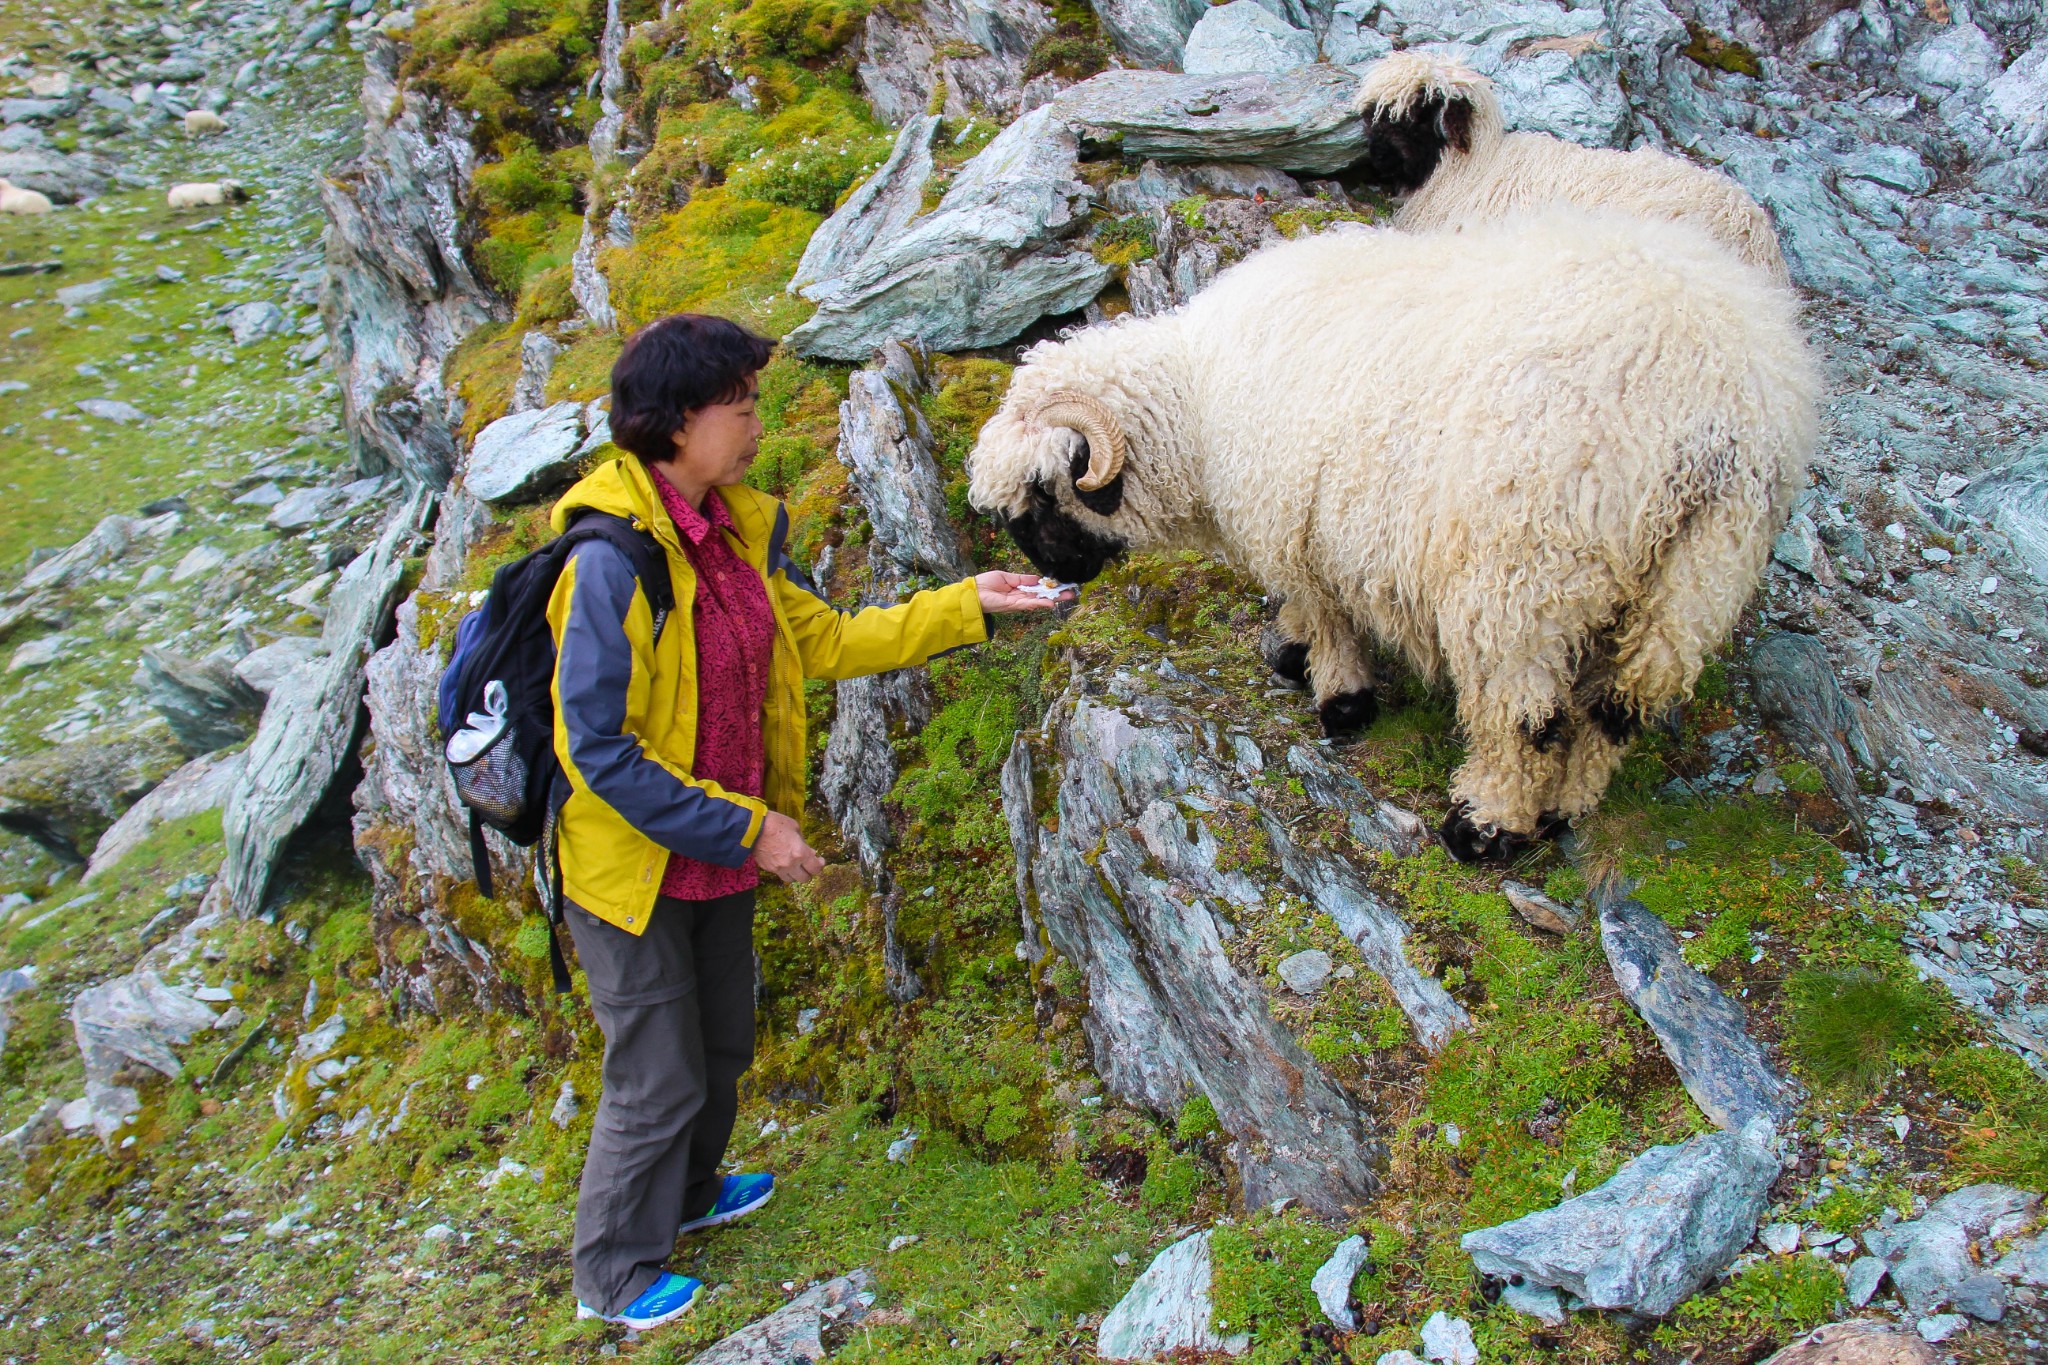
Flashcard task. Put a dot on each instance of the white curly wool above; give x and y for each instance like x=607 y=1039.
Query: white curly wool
x=1501 y=173
x=1547 y=457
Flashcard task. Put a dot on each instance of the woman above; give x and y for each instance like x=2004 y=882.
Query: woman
x=683 y=745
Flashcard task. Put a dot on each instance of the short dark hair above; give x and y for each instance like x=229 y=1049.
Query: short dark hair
x=672 y=367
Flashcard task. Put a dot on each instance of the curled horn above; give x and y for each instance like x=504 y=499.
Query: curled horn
x=1086 y=414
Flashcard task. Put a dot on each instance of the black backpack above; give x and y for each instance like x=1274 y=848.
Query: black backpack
x=496 y=702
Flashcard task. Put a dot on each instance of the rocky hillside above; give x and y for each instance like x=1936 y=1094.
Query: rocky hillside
x=1132 y=1016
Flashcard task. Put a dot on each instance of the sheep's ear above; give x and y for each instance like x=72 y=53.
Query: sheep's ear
x=1402 y=152
x=1104 y=501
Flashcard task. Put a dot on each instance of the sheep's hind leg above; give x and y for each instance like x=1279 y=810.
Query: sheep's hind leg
x=1314 y=635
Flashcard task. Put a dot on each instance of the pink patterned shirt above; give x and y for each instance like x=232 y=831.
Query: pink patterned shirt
x=735 y=633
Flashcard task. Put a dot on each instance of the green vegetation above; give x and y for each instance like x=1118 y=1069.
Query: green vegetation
x=1851 y=1029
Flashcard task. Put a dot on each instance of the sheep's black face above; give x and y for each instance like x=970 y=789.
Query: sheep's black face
x=1056 y=544
x=1400 y=154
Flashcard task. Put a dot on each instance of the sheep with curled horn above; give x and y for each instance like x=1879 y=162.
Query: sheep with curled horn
x=1546 y=458
x=1435 y=135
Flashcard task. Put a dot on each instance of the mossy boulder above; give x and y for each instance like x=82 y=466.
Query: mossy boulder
x=65 y=798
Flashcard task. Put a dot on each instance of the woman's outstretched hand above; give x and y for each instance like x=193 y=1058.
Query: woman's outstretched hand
x=1007 y=592
x=780 y=849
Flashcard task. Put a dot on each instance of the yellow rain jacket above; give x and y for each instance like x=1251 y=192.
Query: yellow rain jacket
x=626 y=699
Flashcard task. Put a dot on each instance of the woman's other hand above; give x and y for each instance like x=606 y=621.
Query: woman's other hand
x=781 y=849
x=1008 y=592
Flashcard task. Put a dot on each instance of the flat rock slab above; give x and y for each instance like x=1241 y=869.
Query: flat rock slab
x=1167 y=1309
x=1332 y=1282
x=1702 y=1031
x=1538 y=910
x=1930 y=1256
x=796 y=1330
x=1861 y=1342
x=521 y=457
x=1645 y=1241
x=1299 y=120
x=201 y=785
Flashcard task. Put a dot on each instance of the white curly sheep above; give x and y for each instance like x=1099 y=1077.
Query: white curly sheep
x=15 y=199
x=201 y=122
x=1547 y=457
x=205 y=193
x=1435 y=135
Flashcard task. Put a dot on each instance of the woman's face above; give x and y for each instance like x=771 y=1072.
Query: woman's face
x=717 y=443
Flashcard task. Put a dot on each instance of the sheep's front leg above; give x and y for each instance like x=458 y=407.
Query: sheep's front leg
x=1331 y=662
x=1521 y=734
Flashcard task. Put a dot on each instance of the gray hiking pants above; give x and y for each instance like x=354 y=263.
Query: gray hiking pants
x=676 y=1005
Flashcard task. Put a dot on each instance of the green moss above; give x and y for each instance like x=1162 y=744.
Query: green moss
x=1720 y=54
x=2007 y=1139
x=802 y=30
x=1771 y=1302
x=1197 y=1119
x=720 y=253
x=1070 y=50
x=1173 y=1181
x=1307 y=222
x=1123 y=242
x=1852 y=1029
x=1260 y=1282
x=1191 y=209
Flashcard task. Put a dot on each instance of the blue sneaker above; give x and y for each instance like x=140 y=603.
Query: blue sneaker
x=741 y=1196
x=668 y=1298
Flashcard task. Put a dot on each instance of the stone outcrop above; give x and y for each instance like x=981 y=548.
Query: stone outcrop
x=1933 y=1258
x=797 y=1330
x=877 y=211
x=987 y=262
x=973 y=50
x=523 y=456
x=886 y=446
x=65 y=797
x=1150 y=32
x=309 y=723
x=1245 y=36
x=400 y=292
x=1644 y=1241
x=1131 y=888
x=201 y=785
x=204 y=703
x=1859 y=1342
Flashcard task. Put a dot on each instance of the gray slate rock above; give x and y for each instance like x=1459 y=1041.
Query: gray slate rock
x=1539 y=910
x=251 y=322
x=13 y=982
x=262 y=669
x=1980 y=1296
x=108 y=540
x=1167 y=1309
x=1150 y=32
x=1865 y=1274
x=1157 y=185
x=537 y=354
x=64 y=178
x=310 y=720
x=1537 y=1301
x=874 y=214
x=1448 y=1340
x=1700 y=1029
x=794 y=1331
x=112 y=410
x=205 y=704
x=525 y=455
x=136 y=1017
x=1299 y=120
x=1244 y=36
x=91 y=291
x=1645 y=1241
x=1930 y=1255
x=1305 y=972
x=975 y=50
x=64 y=797
x=1332 y=1282
x=886 y=446
x=1129 y=891
x=977 y=270
x=30 y=110
x=201 y=785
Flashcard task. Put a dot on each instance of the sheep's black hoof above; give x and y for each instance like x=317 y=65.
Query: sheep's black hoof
x=1348 y=712
x=1474 y=843
x=1287 y=658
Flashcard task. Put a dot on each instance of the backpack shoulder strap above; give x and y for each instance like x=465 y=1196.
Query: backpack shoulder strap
x=642 y=550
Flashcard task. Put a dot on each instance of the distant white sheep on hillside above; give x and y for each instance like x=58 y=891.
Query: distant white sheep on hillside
x=1435 y=135
x=200 y=122
x=1547 y=457
x=204 y=193
x=14 y=199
